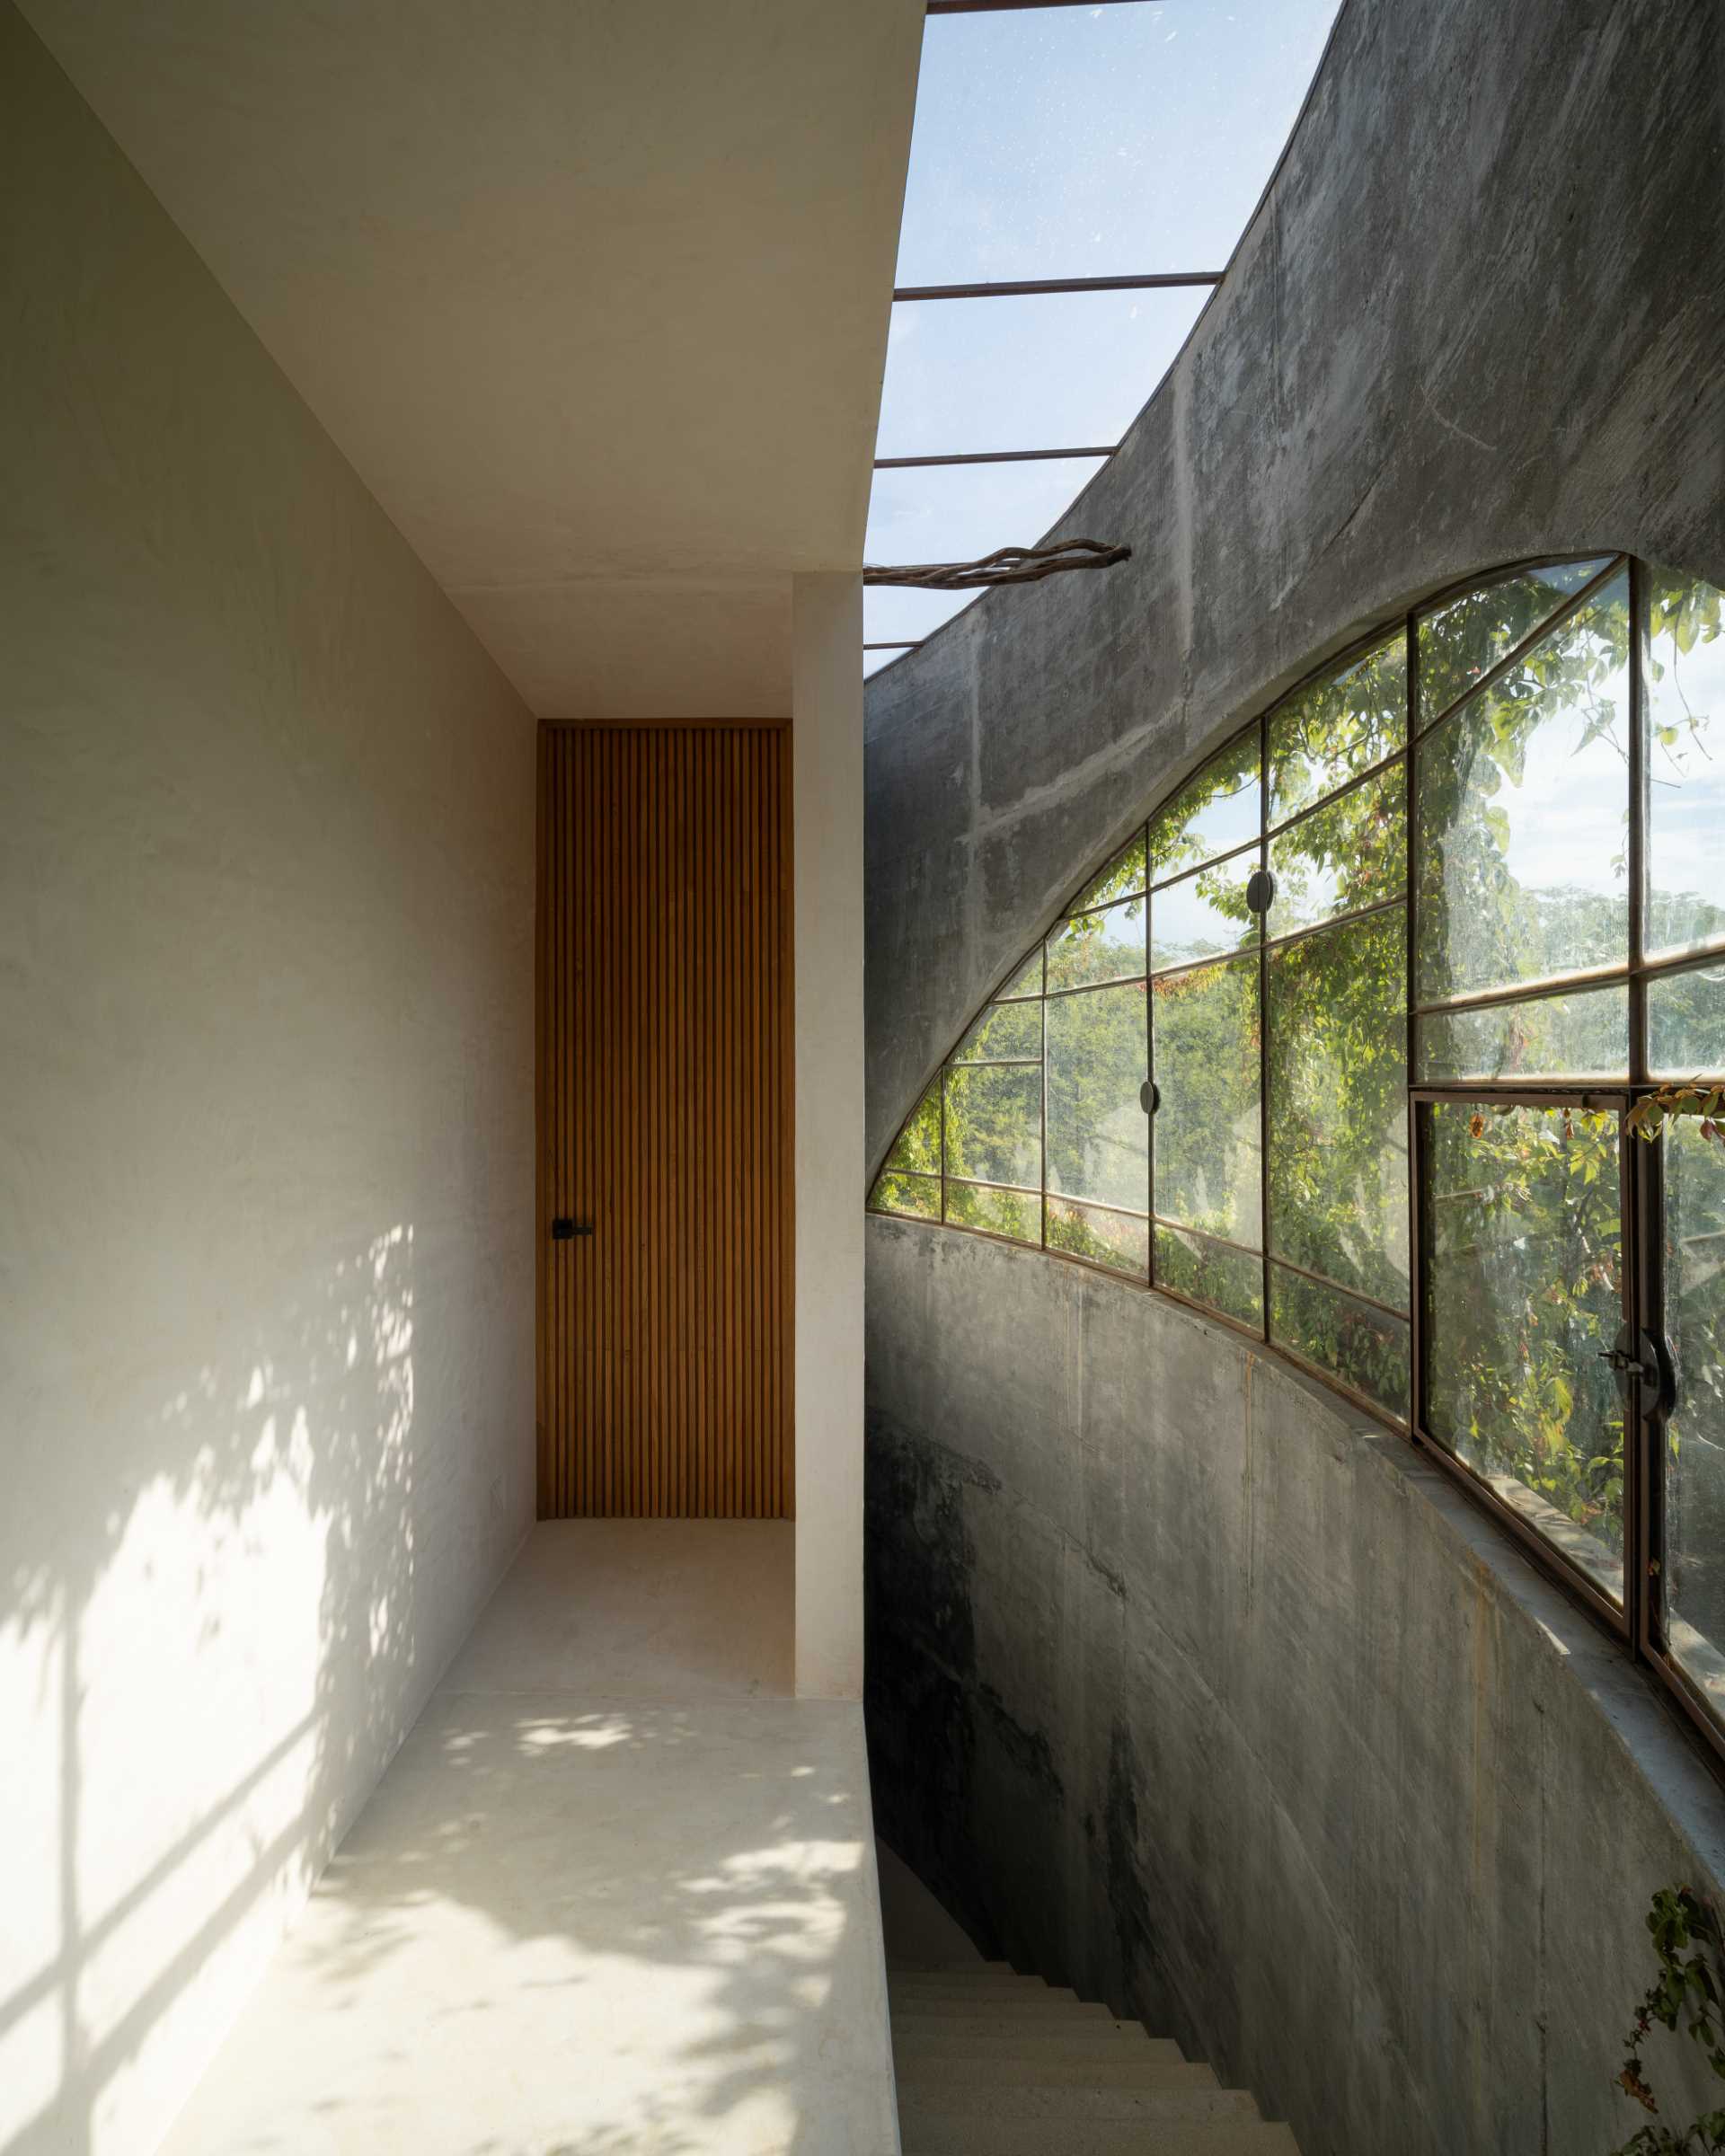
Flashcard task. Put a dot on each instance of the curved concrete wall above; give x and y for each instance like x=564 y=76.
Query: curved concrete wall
x=1185 y=1684
x=1478 y=316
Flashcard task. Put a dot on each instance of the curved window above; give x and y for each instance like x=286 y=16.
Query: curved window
x=1355 y=1044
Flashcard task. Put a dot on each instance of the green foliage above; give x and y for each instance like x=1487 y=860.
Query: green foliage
x=1524 y=1300
x=1338 y=1105
x=1459 y=642
x=1214 y=812
x=1337 y=727
x=1687 y=1993
x=1098 y=1134
x=1205 y=1055
x=1480 y=924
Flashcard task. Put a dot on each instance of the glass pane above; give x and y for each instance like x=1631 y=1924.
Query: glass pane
x=1205 y=1129
x=1467 y=638
x=1208 y=1272
x=1686 y=1023
x=1522 y=807
x=1078 y=142
x=1582 y=1034
x=1014 y=1212
x=1523 y=1298
x=1027 y=980
x=1058 y=370
x=1215 y=811
x=918 y=1195
x=1694 y=1473
x=1349 y=854
x=1004 y=1033
x=1121 y=879
x=1360 y=1346
x=1099 y=1135
x=888 y=613
x=1105 y=946
x=917 y=1147
x=1339 y=1105
x=1685 y=764
x=1205 y=915
x=1113 y=1239
x=994 y=1124
x=1325 y=735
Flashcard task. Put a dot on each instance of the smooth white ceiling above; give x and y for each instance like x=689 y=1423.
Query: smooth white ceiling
x=593 y=294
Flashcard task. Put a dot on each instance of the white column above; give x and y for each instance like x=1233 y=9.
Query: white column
x=826 y=752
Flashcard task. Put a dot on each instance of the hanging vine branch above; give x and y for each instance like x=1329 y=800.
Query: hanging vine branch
x=1005 y=565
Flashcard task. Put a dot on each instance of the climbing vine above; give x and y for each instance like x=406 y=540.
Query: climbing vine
x=1688 y=1991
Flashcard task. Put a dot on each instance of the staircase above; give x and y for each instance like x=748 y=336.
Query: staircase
x=993 y=2064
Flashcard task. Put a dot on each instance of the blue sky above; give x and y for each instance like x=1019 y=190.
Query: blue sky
x=1063 y=141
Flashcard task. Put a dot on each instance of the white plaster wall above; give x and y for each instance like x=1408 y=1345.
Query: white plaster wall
x=266 y=1123
x=827 y=753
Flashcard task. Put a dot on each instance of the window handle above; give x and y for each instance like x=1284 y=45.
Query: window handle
x=1640 y=1354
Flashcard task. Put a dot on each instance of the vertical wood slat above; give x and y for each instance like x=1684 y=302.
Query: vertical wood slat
x=663 y=1094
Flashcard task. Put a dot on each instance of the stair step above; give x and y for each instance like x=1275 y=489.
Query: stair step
x=1008 y=2014
x=1023 y=2003
x=1106 y=2045
x=1034 y=2137
x=1025 y=2032
x=1068 y=2106
x=1119 y=2069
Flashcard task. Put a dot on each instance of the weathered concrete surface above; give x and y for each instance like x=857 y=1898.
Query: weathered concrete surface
x=1478 y=316
x=1190 y=1689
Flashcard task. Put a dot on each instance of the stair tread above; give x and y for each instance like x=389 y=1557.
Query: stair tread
x=996 y=2137
x=1115 y=2072
x=1065 y=2104
x=1017 y=2043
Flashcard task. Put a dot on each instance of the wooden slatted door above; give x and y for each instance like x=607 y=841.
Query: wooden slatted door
x=664 y=1115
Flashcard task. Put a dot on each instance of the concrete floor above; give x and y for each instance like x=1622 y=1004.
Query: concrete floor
x=616 y=1892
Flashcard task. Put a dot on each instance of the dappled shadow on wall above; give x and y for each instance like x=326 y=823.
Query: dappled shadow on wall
x=213 y=1658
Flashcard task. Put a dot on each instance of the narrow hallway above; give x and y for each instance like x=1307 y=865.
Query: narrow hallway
x=615 y=1892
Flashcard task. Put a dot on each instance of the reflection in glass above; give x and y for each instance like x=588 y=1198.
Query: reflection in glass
x=1459 y=642
x=1027 y=980
x=1004 y=1033
x=917 y=1149
x=1581 y=1034
x=1349 y=854
x=1523 y=1297
x=1215 y=811
x=1098 y=1133
x=1014 y=1212
x=1337 y=1106
x=1117 y=1239
x=1522 y=806
x=994 y=1124
x=1209 y=1272
x=1686 y=1023
x=1205 y=1129
x=1326 y=734
x=1204 y=915
x=916 y=1195
x=1123 y=878
x=1685 y=764
x=1105 y=946
x=1694 y=1472
x=1363 y=1347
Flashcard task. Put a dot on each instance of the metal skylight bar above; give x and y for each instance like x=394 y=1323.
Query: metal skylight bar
x=1004 y=7
x=989 y=456
x=1153 y=280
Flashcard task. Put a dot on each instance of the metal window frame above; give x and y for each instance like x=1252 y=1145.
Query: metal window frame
x=1638 y=1623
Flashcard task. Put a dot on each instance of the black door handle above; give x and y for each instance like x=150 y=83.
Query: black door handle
x=564 y=1230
